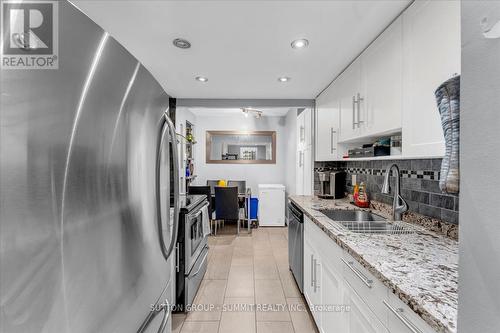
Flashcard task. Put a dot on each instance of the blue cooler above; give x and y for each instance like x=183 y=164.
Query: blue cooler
x=254 y=208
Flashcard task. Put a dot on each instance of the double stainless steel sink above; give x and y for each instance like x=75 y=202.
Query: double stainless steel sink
x=360 y=221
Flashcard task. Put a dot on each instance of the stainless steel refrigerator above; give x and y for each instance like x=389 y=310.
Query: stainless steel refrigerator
x=88 y=181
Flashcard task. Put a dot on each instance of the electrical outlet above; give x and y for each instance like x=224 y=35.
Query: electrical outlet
x=353 y=179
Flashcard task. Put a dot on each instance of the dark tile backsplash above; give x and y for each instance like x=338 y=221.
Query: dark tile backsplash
x=419 y=184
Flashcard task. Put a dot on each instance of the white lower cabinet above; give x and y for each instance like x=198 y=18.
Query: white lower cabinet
x=367 y=286
x=334 y=279
x=334 y=315
x=401 y=319
x=360 y=317
x=312 y=274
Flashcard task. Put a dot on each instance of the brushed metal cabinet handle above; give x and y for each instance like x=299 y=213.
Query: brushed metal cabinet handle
x=331 y=140
x=359 y=110
x=360 y=275
x=312 y=270
x=316 y=286
x=400 y=316
x=354 y=112
x=332 y=145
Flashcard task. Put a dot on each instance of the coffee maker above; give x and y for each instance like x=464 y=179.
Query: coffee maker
x=332 y=184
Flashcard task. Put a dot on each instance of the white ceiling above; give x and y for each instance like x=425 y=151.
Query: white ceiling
x=266 y=112
x=244 y=46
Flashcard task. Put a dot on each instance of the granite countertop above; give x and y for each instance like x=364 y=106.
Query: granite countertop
x=420 y=268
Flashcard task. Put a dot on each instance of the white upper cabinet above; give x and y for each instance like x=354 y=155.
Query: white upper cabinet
x=368 y=92
x=303 y=168
x=304 y=129
x=390 y=87
x=349 y=86
x=308 y=173
x=327 y=124
x=303 y=172
x=431 y=55
x=381 y=69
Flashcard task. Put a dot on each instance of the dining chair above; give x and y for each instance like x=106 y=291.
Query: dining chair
x=242 y=188
x=241 y=184
x=226 y=204
x=212 y=184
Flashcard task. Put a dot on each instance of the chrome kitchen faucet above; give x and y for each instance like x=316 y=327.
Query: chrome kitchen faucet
x=399 y=205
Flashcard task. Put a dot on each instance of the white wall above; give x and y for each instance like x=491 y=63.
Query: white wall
x=254 y=174
x=479 y=238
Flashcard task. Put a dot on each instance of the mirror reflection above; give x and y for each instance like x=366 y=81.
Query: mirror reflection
x=258 y=147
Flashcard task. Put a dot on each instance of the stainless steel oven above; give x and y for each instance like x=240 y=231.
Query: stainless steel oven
x=194 y=239
x=192 y=250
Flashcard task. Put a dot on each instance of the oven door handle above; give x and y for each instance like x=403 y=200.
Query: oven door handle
x=198 y=213
x=201 y=266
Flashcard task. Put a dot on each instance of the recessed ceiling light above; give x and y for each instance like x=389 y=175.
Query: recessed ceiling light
x=284 y=79
x=181 y=43
x=201 y=79
x=300 y=43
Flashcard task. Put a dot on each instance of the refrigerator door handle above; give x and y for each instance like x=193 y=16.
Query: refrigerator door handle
x=175 y=158
x=164 y=321
x=167 y=125
x=152 y=315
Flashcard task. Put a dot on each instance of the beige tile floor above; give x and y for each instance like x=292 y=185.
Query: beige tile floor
x=247 y=270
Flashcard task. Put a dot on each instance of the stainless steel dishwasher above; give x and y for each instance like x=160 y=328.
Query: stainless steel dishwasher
x=296 y=243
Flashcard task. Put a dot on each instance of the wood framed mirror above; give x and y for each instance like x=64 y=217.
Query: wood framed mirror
x=241 y=147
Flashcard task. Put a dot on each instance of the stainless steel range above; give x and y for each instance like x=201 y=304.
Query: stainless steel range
x=192 y=250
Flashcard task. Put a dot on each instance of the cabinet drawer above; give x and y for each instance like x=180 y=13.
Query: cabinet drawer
x=331 y=252
x=312 y=231
x=368 y=287
x=402 y=319
x=360 y=318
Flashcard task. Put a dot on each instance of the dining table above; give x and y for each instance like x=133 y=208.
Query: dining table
x=245 y=197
